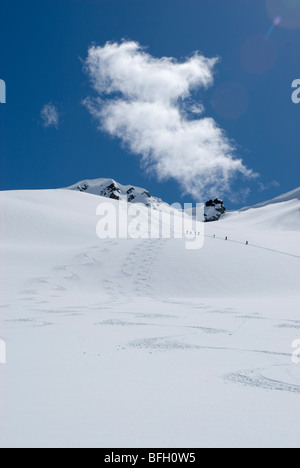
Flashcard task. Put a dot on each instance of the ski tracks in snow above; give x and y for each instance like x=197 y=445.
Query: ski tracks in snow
x=255 y=379
x=130 y=275
x=137 y=266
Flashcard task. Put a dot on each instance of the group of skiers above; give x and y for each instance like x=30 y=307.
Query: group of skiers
x=214 y=236
x=226 y=238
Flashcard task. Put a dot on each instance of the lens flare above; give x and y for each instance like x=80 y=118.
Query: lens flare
x=284 y=13
x=277 y=20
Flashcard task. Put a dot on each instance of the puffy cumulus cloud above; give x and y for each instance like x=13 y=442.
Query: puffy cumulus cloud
x=50 y=116
x=147 y=103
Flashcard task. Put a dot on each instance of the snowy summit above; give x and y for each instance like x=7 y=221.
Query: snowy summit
x=109 y=188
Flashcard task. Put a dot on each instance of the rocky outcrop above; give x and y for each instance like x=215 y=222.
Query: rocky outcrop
x=213 y=210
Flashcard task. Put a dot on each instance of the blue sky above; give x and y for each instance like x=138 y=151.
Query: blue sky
x=44 y=42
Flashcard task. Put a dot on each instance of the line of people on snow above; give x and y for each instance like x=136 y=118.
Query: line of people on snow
x=195 y=233
x=226 y=238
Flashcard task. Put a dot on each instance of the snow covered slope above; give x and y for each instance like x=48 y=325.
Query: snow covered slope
x=282 y=213
x=293 y=195
x=103 y=335
x=54 y=223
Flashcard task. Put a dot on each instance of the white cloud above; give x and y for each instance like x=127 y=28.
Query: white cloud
x=50 y=116
x=263 y=187
x=147 y=103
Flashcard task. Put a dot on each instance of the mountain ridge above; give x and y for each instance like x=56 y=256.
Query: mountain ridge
x=110 y=188
x=213 y=209
x=288 y=196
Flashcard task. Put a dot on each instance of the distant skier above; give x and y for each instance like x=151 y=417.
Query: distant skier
x=226 y=238
x=247 y=243
x=214 y=236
